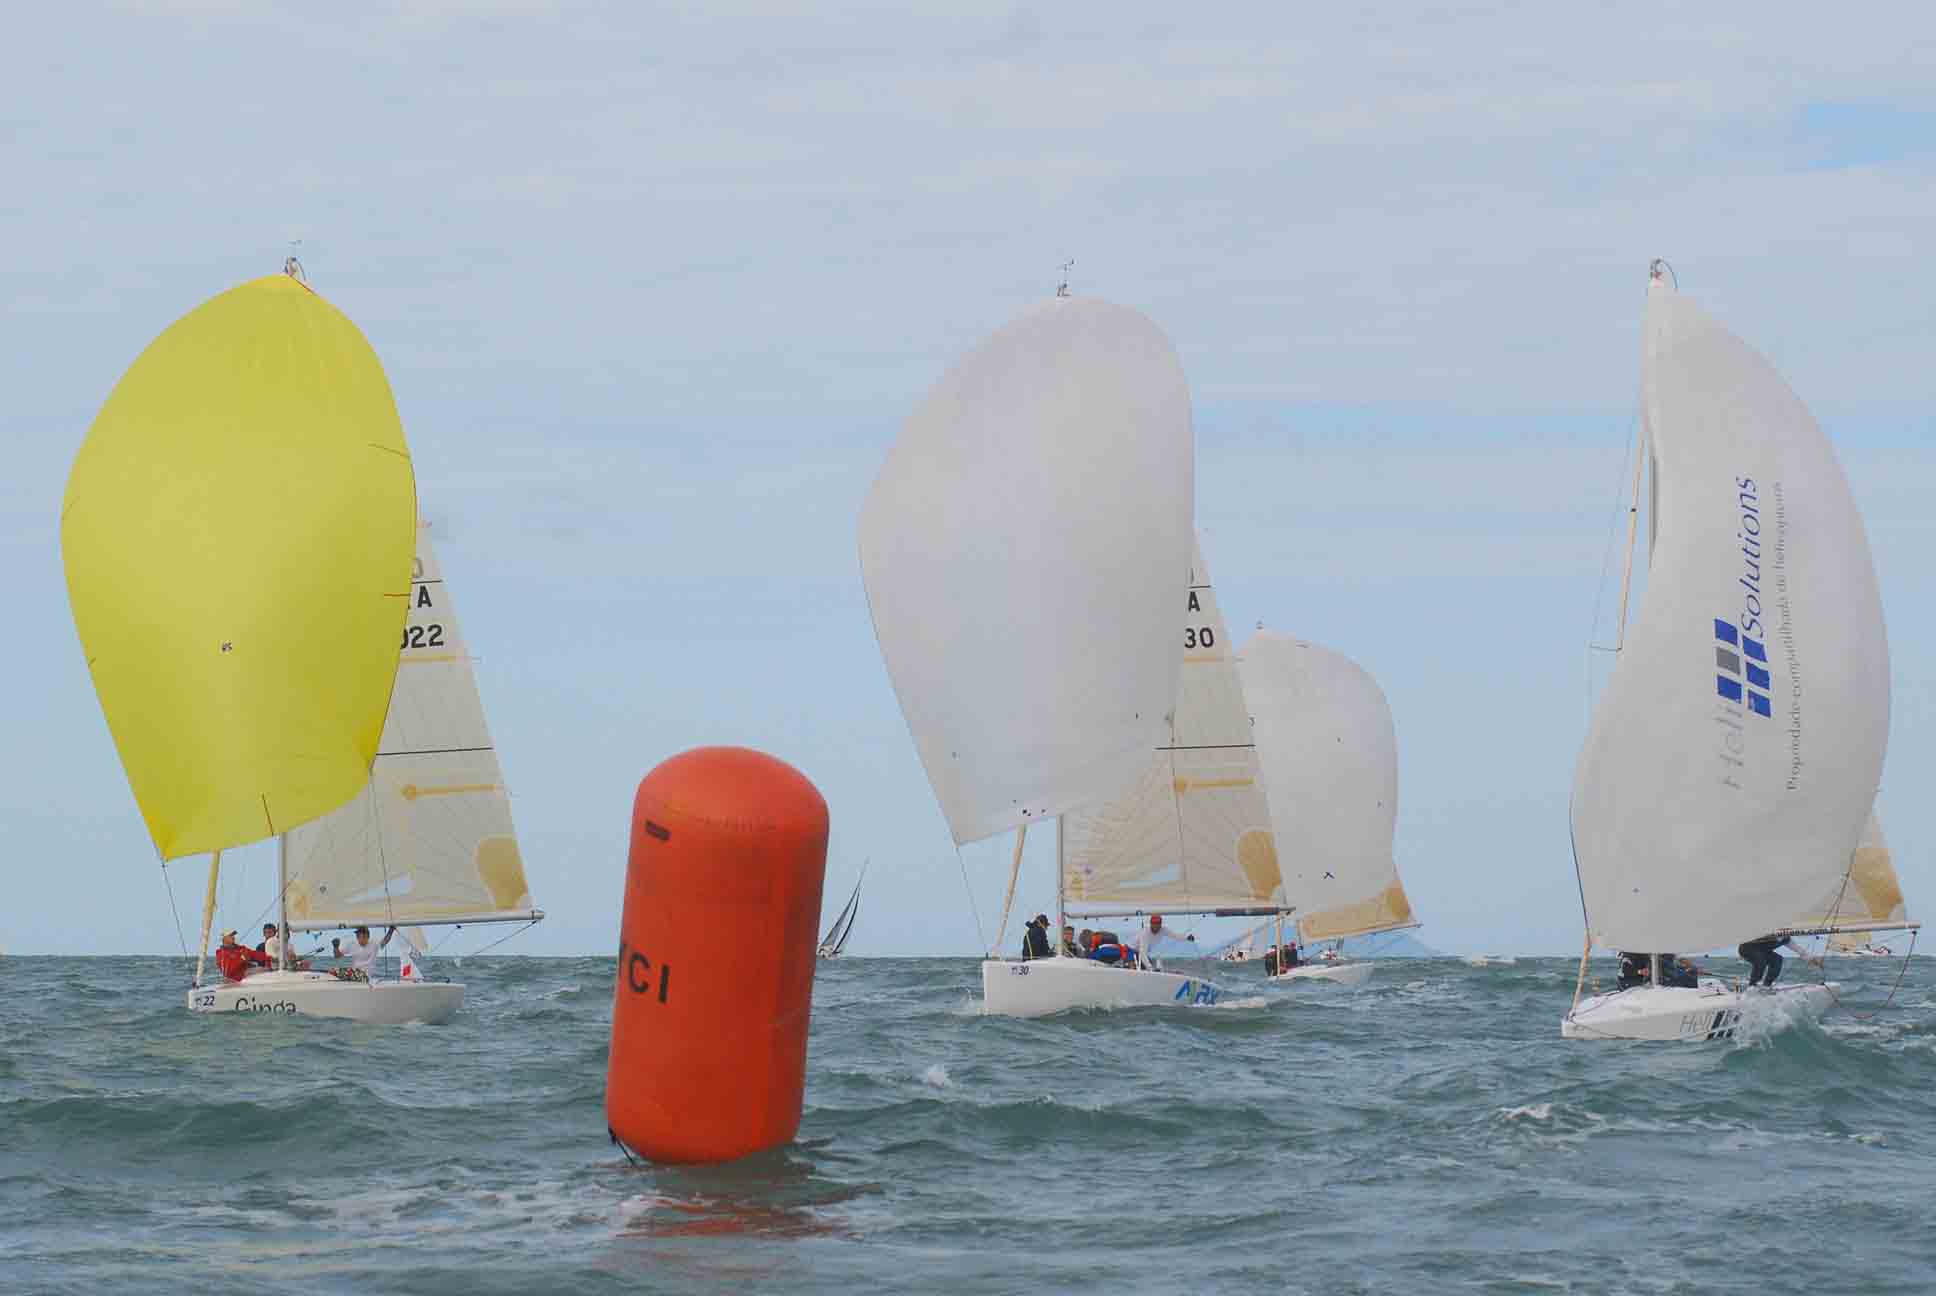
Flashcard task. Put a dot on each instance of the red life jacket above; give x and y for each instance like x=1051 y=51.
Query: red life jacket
x=234 y=960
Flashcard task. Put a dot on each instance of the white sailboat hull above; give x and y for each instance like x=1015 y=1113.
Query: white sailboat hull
x=317 y=994
x=1346 y=974
x=1052 y=985
x=1711 y=1011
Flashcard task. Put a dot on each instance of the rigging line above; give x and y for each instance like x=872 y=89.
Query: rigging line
x=180 y=935
x=383 y=859
x=981 y=937
x=1606 y=559
x=1900 y=972
x=494 y=944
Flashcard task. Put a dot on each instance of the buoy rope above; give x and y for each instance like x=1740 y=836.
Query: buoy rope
x=617 y=1143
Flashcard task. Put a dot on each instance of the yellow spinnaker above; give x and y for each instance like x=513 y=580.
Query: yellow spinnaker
x=238 y=532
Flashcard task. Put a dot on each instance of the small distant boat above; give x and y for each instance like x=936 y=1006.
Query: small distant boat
x=1716 y=798
x=1329 y=753
x=834 y=943
x=1489 y=960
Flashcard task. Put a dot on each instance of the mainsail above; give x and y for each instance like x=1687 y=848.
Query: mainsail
x=1192 y=831
x=1013 y=548
x=1330 y=758
x=429 y=838
x=236 y=533
x=1736 y=750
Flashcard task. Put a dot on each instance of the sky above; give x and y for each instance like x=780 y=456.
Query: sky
x=655 y=287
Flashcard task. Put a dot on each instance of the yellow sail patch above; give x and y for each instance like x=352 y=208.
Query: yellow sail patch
x=237 y=532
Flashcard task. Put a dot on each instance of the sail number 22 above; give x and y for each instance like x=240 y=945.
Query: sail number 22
x=430 y=636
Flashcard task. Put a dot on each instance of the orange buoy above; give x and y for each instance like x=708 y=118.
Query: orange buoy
x=716 y=957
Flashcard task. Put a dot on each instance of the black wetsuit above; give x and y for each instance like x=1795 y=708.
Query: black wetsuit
x=1635 y=970
x=1764 y=965
x=1035 y=943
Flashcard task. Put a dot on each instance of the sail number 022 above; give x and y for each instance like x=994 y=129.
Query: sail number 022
x=1199 y=637
x=423 y=636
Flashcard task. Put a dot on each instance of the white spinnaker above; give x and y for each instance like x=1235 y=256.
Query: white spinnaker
x=1330 y=758
x=1193 y=830
x=1013 y=548
x=1870 y=896
x=429 y=838
x=1737 y=747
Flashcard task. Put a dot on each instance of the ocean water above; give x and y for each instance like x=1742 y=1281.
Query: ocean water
x=1429 y=1132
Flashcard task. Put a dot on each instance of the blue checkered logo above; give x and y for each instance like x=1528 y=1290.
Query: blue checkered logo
x=1740 y=667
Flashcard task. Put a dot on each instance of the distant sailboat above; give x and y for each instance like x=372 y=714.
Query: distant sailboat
x=834 y=943
x=1330 y=759
x=1013 y=549
x=1868 y=900
x=1735 y=752
x=237 y=536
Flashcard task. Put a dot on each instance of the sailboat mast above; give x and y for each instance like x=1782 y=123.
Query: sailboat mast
x=1060 y=903
x=282 y=901
x=208 y=915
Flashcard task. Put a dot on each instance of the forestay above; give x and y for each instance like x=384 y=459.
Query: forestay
x=1193 y=830
x=1013 y=548
x=1330 y=759
x=236 y=533
x=1735 y=751
x=429 y=839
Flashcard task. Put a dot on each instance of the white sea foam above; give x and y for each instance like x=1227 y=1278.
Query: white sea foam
x=936 y=1077
x=1534 y=1111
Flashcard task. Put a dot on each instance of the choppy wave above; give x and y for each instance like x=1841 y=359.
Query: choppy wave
x=1431 y=1130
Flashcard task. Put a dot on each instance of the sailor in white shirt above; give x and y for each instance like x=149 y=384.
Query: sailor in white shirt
x=361 y=956
x=272 y=946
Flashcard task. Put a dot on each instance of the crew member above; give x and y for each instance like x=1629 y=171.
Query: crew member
x=235 y=959
x=1035 y=938
x=272 y=946
x=1764 y=965
x=362 y=955
x=1635 y=970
